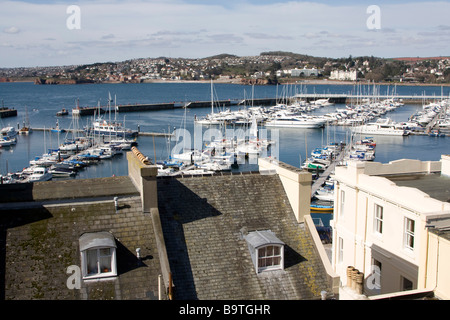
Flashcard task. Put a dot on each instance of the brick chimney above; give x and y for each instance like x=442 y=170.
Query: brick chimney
x=143 y=174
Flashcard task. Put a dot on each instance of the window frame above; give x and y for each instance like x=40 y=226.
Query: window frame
x=342 y=202
x=272 y=257
x=340 y=250
x=378 y=221
x=258 y=242
x=91 y=246
x=99 y=256
x=408 y=234
x=406 y=284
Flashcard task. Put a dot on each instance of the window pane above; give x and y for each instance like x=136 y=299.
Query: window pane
x=276 y=251
x=410 y=225
x=276 y=261
x=409 y=233
x=91 y=257
x=261 y=263
x=262 y=252
x=407 y=284
x=105 y=264
x=410 y=242
x=269 y=257
x=105 y=252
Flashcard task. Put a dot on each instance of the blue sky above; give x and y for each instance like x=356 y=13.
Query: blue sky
x=35 y=33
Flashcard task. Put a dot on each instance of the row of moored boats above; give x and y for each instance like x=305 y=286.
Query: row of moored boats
x=70 y=157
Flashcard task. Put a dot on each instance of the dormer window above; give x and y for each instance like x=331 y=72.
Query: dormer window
x=98 y=255
x=266 y=250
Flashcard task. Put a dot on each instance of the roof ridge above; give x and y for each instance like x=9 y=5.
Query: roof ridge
x=215 y=174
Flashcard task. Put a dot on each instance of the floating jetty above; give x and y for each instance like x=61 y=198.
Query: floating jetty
x=140 y=133
x=87 y=111
x=325 y=175
x=7 y=112
x=332 y=98
x=139 y=107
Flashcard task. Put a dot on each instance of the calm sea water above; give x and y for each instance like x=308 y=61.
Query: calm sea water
x=39 y=104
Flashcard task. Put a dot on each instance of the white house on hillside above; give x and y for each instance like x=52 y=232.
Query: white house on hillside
x=343 y=75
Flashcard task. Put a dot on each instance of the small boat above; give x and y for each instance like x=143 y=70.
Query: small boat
x=57 y=128
x=380 y=127
x=436 y=133
x=325 y=194
x=39 y=174
x=61 y=172
x=8 y=132
x=25 y=130
x=315 y=164
x=88 y=158
x=70 y=164
x=322 y=207
x=6 y=141
x=190 y=156
x=114 y=129
x=295 y=122
x=62 y=112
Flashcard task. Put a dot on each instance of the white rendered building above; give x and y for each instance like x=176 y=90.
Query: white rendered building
x=383 y=216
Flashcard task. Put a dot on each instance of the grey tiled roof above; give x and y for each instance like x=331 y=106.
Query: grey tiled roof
x=39 y=242
x=67 y=189
x=202 y=219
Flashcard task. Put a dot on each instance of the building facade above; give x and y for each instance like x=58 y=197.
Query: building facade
x=382 y=221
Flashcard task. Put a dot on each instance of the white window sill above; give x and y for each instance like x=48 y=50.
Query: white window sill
x=101 y=277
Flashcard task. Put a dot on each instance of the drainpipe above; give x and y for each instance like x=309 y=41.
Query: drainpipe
x=159 y=287
x=365 y=239
x=170 y=286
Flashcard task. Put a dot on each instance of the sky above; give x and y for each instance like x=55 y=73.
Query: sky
x=50 y=33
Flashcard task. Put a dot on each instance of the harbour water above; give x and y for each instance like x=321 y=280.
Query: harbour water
x=38 y=104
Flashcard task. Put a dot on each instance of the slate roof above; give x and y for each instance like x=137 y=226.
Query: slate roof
x=203 y=218
x=435 y=185
x=40 y=239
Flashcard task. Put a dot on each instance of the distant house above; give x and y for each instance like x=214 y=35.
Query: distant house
x=343 y=75
x=304 y=72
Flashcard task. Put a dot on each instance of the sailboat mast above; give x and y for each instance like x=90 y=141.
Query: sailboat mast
x=212 y=99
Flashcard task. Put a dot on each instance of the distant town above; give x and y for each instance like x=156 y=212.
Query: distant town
x=266 y=68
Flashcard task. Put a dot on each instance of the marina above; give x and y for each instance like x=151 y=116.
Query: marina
x=155 y=130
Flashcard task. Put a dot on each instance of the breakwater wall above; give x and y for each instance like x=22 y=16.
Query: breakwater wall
x=333 y=98
x=5 y=112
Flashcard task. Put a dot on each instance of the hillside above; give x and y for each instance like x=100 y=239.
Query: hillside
x=269 y=67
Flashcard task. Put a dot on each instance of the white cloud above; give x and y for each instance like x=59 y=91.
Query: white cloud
x=123 y=29
x=11 y=30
